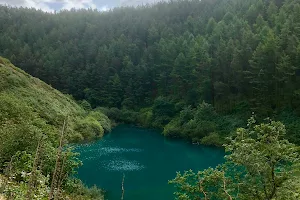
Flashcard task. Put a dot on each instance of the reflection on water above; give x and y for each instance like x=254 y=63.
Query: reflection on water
x=101 y=151
x=123 y=165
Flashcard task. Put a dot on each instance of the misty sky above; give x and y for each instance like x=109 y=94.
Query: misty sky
x=51 y=5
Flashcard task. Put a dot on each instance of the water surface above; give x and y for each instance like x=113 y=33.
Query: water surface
x=147 y=159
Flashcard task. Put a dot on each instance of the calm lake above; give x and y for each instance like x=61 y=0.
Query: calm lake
x=147 y=159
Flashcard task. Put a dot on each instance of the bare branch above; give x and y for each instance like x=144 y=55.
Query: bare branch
x=34 y=168
x=201 y=188
x=58 y=159
x=224 y=186
x=123 y=190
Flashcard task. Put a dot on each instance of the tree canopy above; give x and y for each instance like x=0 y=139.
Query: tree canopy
x=222 y=52
x=260 y=164
x=240 y=56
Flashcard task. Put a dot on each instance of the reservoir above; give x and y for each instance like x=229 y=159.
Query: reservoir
x=146 y=158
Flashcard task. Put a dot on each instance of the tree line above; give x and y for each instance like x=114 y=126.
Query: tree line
x=239 y=56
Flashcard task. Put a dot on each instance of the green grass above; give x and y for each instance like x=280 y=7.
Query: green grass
x=29 y=108
x=19 y=89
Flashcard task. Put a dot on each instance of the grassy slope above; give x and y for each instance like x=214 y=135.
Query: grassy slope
x=44 y=101
x=30 y=108
x=20 y=91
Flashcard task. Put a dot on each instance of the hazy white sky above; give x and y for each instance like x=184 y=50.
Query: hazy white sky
x=51 y=5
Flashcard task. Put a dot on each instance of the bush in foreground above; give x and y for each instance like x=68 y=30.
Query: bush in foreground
x=260 y=165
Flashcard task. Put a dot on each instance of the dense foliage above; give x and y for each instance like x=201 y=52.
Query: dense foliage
x=31 y=118
x=156 y=62
x=193 y=68
x=260 y=165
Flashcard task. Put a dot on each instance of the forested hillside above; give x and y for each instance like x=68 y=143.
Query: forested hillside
x=158 y=63
x=32 y=115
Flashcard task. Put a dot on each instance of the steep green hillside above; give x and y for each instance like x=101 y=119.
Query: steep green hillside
x=30 y=110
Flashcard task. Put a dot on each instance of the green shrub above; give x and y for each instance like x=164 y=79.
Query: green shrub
x=212 y=139
x=111 y=113
x=128 y=116
x=85 y=105
x=173 y=128
x=145 y=117
x=89 y=128
x=102 y=119
x=78 y=191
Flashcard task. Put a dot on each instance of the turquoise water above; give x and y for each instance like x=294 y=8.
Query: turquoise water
x=147 y=159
